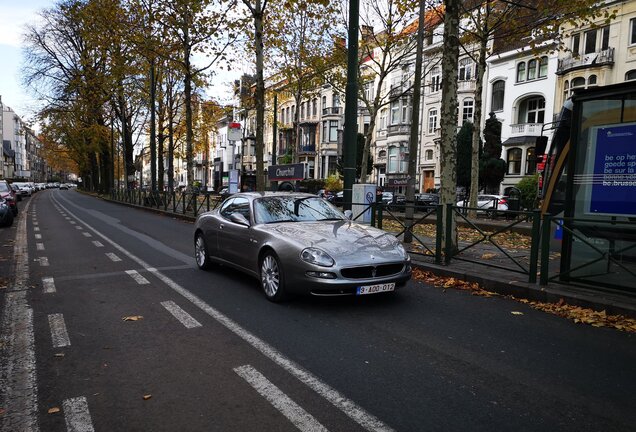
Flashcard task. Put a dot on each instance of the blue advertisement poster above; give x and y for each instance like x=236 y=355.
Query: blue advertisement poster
x=614 y=178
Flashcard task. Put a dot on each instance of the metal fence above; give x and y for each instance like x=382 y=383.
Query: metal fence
x=518 y=242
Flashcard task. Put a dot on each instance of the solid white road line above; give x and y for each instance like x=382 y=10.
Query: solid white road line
x=44 y=261
x=98 y=243
x=39 y=246
x=349 y=407
x=290 y=409
x=59 y=335
x=18 y=387
x=87 y=234
x=38 y=236
x=184 y=318
x=77 y=416
x=113 y=257
x=137 y=277
x=49 y=285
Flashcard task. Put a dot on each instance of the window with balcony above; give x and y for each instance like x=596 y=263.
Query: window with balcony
x=632 y=31
x=436 y=79
x=576 y=42
x=335 y=100
x=532 y=69
x=383 y=114
x=468 y=108
x=532 y=110
x=514 y=161
x=395 y=112
x=590 y=41
x=397 y=159
x=465 y=69
x=432 y=120
x=498 y=92
x=392 y=165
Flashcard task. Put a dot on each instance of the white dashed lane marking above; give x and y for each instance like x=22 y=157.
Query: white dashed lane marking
x=77 y=416
x=113 y=257
x=59 y=335
x=279 y=400
x=78 y=227
x=39 y=246
x=49 y=285
x=38 y=236
x=137 y=277
x=87 y=234
x=44 y=261
x=36 y=228
x=97 y=243
x=184 y=318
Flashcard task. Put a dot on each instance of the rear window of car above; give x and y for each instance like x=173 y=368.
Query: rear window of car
x=4 y=186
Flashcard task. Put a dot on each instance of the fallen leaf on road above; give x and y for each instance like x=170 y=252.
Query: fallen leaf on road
x=488 y=256
x=53 y=410
x=146 y=397
x=133 y=318
x=516 y=313
x=2 y=412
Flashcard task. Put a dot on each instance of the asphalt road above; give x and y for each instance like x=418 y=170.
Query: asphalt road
x=211 y=354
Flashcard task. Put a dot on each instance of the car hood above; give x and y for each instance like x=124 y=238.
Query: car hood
x=343 y=240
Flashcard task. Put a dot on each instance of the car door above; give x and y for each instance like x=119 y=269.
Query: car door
x=233 y=238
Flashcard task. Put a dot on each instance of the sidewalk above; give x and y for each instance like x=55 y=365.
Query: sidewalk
x=501 y=281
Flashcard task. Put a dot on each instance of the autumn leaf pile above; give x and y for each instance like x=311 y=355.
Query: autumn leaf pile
x=579 y=315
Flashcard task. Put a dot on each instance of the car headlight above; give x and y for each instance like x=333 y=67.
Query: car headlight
x=317 y=257
x=400 y=248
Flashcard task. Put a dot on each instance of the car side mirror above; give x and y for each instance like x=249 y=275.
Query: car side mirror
x=239 y=219
x=348 y=214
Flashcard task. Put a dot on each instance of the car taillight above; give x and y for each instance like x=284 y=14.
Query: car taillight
x=502 y=201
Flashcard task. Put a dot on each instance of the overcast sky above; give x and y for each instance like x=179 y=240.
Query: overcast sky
x=14 y=15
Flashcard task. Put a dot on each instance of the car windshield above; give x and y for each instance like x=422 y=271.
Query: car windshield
x=4 y=187
x=294 y=209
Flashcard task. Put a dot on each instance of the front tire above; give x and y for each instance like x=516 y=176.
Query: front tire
x=272 y=279
x=201 y=253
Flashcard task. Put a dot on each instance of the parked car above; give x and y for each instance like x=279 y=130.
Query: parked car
x=63 y=186
x=17 y=192
x=426 y=201
x=8 y=195
x=398 y=202
x=488 y=203
x=25 y=188
x=326 y=194
x=387 y=197
x=296 y=243
x=6 y=215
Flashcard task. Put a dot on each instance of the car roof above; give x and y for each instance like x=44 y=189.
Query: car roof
x=255 y=195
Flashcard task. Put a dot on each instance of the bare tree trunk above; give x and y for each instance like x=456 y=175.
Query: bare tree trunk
x=260 y=95
x=187 y=82
x=479 y=86
x=415 y=122
x=448 y=123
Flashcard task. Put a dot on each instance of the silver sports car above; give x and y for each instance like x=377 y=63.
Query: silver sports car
x=298 y=243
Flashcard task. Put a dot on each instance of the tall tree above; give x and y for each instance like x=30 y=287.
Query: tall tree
x=197 y=26
x=298 y=39
x=386 y=48
x=448 y=123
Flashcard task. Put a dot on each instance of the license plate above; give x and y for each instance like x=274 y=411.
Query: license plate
x=372 y=289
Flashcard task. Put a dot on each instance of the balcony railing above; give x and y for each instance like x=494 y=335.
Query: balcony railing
x=331 y=111
x=605 y=57
x=399 y=129
x=307 y=149
x=521 y=129
x=469 y=85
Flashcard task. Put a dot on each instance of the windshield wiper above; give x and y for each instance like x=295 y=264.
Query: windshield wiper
x=330 y=219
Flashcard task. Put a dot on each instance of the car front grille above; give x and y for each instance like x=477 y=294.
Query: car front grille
x=368 y=272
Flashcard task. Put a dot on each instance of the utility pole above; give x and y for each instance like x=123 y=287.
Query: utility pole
x=350 y=136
